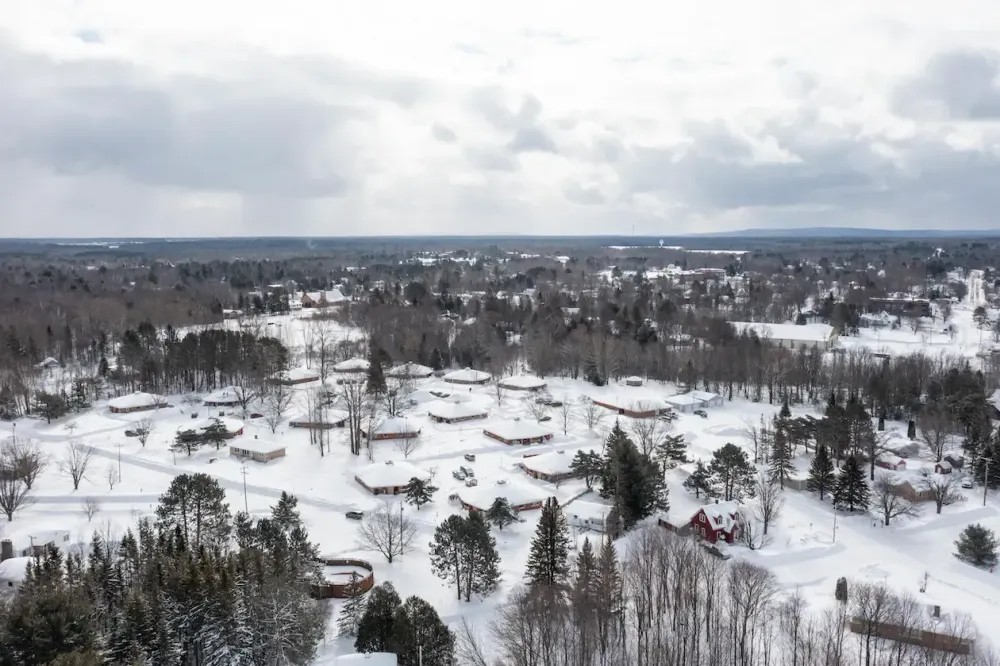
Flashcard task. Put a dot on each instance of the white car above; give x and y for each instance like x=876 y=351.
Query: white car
x=967 y=482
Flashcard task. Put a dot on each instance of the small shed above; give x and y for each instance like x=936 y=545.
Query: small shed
x=633 y=381
x=136 y=402
x=684 y=402
x=258 y=450
x=891 y=462
x=393 y=428
x=388 y=478
x=467 y=376
x=454 y=411
x=943 y=467
x=518 y=432
x=707 y=399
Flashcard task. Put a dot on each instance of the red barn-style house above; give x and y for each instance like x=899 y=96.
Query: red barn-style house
x=717 y=522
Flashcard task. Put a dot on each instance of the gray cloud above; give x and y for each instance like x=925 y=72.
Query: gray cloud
x=90 y=36
x=584 y=196
x=490 y=159
x=110 y=117
x=528 y=139
x=443 y=133
x=955 y=85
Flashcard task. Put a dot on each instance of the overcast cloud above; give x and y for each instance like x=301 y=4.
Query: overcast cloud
x=308 y=117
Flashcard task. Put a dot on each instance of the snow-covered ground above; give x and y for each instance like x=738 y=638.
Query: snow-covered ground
x=809 y=549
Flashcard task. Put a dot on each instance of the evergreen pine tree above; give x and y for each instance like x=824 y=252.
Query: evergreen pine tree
x=375 y=627
x=977 y=545
x=376 y=373
x=732 y=473
x=850 y=492
x=987 y=465
x=781 y=465
x=215 y=434
x=547 y=563
x=482 y=566
x=633 y=481
x=700 y=480
x=195 y=505
x=186 y=441
x=353 y=609
x=588 y=465
x=419 y=492
x=419 y=633
x=671 y=451
x=501 y=513
x=821 y=477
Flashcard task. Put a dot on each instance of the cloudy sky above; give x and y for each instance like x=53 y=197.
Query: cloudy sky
x=319 y=117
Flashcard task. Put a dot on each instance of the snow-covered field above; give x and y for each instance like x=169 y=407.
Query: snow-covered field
x=810 y=547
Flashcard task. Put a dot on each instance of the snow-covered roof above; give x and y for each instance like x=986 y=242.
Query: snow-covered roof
x=335 y=296
x=352 y=365
x=633 y=404
x=803 y=333
x=232 y=426
x=421 y=396
x=523 y=382
x=704 y=396
x=224 y=396
x=453 y=409
x=257 y=445
x=516 y=492
x=467 y=375
x=683 y=400
x=554 y=462
x=518 y=429
x=135 y=400
x=48 y=362
x=14 y=569
x=298 y=375
x=367 y=659
x=634 y=379
x=396 y=425
x=584 y=510
x=389 y=474
x=722 y=515
x=410 y=370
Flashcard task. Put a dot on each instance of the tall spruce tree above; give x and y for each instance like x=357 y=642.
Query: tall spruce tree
x=376 y=372
x=547 y=563
x=463 y=552
x=851 y=492
x=670 y=452
x=501 y=513
x=195 y=504
x=353 y=609
x=780 y=466
x=700 y=481
x=419 y=492
x=633 y=481
x=732 y=473
x=821 y=478
x=977 y=545
x=375 y=627
x=420 y=637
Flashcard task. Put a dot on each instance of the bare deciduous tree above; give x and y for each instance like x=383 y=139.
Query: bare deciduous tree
x=13 y=495
x=358 y=404
x=23 y=458
x=566 y=414
x=889 y=502
x=143 y=428
x=768 y=500
x=942 y=487
x=935 y=426
x=276 y=405
x=319 y=432
x=591 y=413
x=499 y=392
x=388 y=531
x=322 y=334
x=535 y=408
x=90 y=508
x=111 y=476
x=407 y=445
x=75 y=461
x=648 y=431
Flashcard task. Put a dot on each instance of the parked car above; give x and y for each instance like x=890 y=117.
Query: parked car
x=472 y=482
x=460 y=474
x=544 y=418
x=471 y=457
x=355 y=515
x=501 y=482
x=131 y=433
x=702 y=413
x=453 y=497
x=668 y=417
x=468 y=471
x=968 y=483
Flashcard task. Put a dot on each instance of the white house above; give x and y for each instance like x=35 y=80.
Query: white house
x=136 y=402
x=12 y=573
x=224 y=397
x=684 y=402
x=522 y=383
x=454 y=411
x=296 y=376
x=708 y=399
x=258 y=450
x=388 y=478
x=393 y=428
x=585 y=515
x=230 y=427
x=553 y=466
x=521 y=495
x=467 y=376
x=518 y=432
x=791 y=336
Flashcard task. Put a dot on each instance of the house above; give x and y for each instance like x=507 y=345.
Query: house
x=224 y=397
x=332 y=418
x=552 y=467
x=48 y=363
x=901 y=307
x=637 y=408
x=322 y=299
x=13 y=571
x=36 y=544
x=388 y=478
x=409 y=371
x=907 y=491
x=453 y=411
x=522 y=383
x=467 y=376
x=821 y=337
x=352 y=365
x=685 y=402
x=584 y=515
x=707 y=399
x=891 y=462
x=715 y=522
x=367 y=659
x=520 y=495
x=943 y=467
x=393 y=428
x=258 y=450
x=518 y=432
x=928 y=636
x=136 y=402
x=295 y=376
x=229 y=429
x=633 y=381
x=955 y=460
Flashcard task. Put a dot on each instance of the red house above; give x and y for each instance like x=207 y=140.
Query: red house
x=717 y=522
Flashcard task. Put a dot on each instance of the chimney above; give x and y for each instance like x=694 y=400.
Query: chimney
x=6 y=549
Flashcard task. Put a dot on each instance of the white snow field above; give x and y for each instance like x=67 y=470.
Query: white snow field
x=810 y=546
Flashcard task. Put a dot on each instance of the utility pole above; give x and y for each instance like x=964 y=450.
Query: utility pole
x=243 y=470
x=119 y=461
x=835 y=527
x=986 y=477
x=420 y=655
